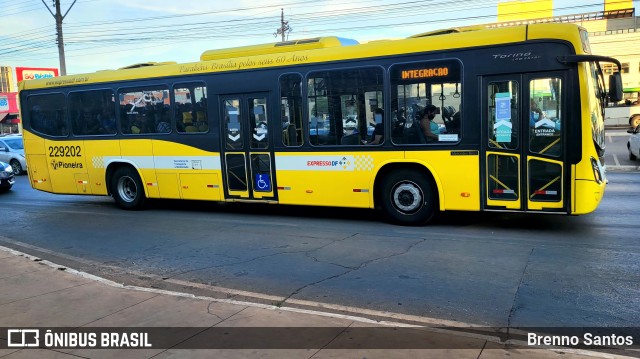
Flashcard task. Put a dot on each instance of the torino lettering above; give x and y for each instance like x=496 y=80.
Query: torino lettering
x=425 y=73
x=513 y=55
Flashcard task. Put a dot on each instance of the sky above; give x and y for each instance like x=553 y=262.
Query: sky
x=109 y=34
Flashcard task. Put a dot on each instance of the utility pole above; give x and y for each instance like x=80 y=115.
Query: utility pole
x=284 y=26
x=59 y=17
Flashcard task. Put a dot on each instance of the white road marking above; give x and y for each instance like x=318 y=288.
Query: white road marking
x=615 y=159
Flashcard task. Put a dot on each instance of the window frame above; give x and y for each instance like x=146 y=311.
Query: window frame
x=306 y=118
x=64 y=114
x=302 y=109
x=141 y=88
x=115 y=109
x=174 y=103
x=461 y=86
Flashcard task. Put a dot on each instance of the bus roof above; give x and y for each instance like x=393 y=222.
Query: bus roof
x=321 y=50
x=276 y=48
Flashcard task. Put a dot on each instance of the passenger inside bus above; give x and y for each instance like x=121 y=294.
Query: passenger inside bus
x=535 y=114
x=378 y=132
x=430 y=129
x=107 y=118
x=88 y=121
x=451 y=119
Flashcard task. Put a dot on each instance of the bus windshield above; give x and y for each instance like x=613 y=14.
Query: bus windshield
x=597 y=98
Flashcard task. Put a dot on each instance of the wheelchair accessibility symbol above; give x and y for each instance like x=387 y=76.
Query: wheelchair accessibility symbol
x=262 y=183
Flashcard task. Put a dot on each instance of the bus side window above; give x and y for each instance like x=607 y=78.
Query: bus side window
x=92 y=113
x=417 y=85
x=545 y=130
x=342 y=105
x=291 y=109
x=190 y=108
x=47 y=114
x=142 y=109
x=503 y=107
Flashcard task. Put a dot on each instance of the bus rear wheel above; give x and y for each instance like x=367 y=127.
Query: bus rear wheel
x=408 y=197
x=126 y=188
x=634 y=121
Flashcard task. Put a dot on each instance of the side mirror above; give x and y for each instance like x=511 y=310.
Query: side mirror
x=615 y=87
x=631 y=130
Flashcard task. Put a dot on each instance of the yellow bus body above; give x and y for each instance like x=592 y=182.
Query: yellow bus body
x=354 y=183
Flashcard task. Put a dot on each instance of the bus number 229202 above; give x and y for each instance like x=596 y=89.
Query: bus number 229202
x=64 y=151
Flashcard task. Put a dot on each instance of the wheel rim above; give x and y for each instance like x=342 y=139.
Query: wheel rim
x=407 y=197
x=127 y=189
x=635 y=122
x=16 y=167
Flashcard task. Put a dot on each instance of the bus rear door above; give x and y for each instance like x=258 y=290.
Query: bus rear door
x=524 y=143
x=246 y=148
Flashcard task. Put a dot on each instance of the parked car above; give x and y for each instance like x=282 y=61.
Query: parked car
x=12 y=152
x=7 y=179
x=633 y=145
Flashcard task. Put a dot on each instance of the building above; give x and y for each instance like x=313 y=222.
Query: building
x=9 y=108
x=9 y=122
x=6 y=79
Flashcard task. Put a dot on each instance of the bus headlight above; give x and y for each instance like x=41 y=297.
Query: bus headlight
x=598 y=171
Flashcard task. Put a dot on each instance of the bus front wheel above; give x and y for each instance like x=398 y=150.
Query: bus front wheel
x=408 y=197
x=126 y=188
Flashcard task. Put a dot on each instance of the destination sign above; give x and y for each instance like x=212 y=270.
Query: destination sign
x=425 y=73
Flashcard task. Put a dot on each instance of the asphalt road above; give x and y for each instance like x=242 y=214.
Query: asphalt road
x=481 y=268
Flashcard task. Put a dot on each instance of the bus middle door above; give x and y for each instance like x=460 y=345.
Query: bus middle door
x=246 y=150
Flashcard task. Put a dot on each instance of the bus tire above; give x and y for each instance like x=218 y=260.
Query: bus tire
x=408 y=197
x=127 y=189
x=634 y=121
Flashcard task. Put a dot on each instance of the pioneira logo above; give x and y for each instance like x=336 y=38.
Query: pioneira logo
x=62 y=165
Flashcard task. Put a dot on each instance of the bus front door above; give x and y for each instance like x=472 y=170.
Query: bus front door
x=523 y=143
x=246 y=152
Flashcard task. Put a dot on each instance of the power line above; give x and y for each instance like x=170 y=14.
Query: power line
x=284 y=28
x=107 y=35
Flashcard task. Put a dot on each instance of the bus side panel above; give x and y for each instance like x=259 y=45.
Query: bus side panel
x=96 y=151
x=187 y=172
x=588 y=192
x=39 y=172
x=140 y=154
x=200 y=186
x=38 y=168
x=331 y=178
x=67 y=162
x=457 y=175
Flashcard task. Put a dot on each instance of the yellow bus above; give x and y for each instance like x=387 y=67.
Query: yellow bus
x=470 y=119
